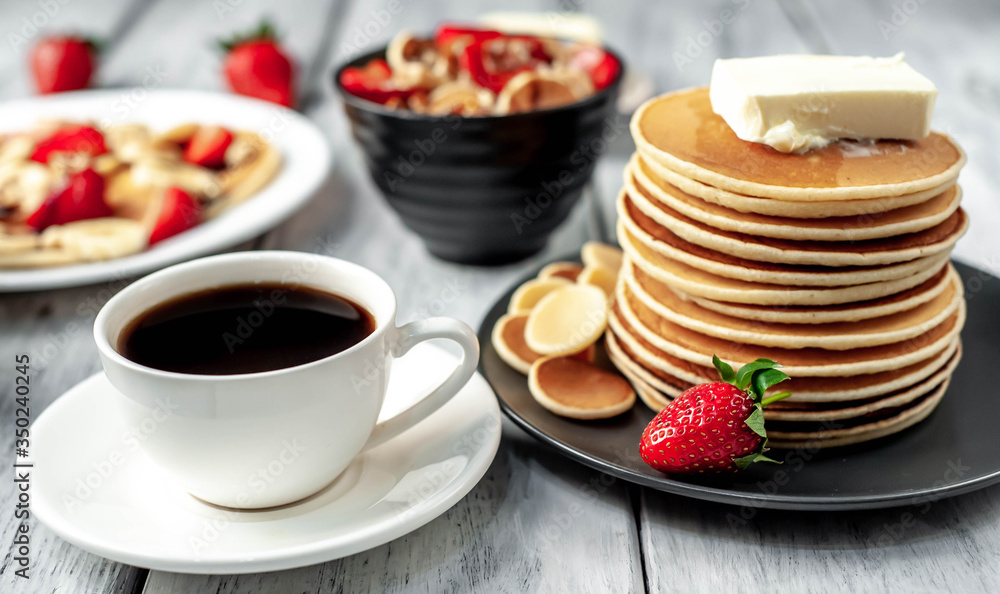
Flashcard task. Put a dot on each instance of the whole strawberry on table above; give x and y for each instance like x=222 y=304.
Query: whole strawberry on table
x=256 y=65
x=63 y=63
x=715 y=427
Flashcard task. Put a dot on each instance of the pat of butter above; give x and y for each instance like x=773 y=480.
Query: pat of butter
x=799 y=103
x=561 y=25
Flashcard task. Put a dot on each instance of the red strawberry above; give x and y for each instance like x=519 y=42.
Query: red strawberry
x=599 y=64
x=208 y=147
x=717 y=427
x=82 y=199
x=71 y=139
x=62 y=64
x=373 y=82
x=256 y=66
x=180 y=212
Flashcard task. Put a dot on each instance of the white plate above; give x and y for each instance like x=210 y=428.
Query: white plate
x=93 y=487
x=305 y=163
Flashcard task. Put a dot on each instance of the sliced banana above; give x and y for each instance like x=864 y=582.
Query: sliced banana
x=595 y=253
x=530 y=91
x=567 y=320
x=16 y=148
x=174 y=136
x=17 y=244
x=531 y=292
x=97 y=239
x=157 y=171
x=24 y=186
x=128 y=142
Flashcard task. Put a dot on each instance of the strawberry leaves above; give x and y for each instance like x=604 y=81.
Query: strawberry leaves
x=725 y=371
x=755 y=378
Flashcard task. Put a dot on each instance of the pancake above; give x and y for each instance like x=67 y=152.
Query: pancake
x=850 y=312
x=834 y=336
x=662 y=241
x=680 y=131
x=696 y=281
x=806 y=391
x=657 y=393
x=779 y=438
x=937 y=239
x=770 y=206
x=699 y=348
x=669 y=386
x=879 y=225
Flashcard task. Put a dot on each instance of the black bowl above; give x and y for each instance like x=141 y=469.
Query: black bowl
x=483 y=190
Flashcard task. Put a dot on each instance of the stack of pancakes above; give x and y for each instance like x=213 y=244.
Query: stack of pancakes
x=835 y=263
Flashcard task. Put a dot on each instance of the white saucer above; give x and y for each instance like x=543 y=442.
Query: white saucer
x=132 y=513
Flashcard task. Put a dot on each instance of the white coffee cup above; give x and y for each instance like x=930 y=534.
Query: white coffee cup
x=264 y=439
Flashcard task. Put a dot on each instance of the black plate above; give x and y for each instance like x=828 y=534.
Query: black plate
x=953 y=451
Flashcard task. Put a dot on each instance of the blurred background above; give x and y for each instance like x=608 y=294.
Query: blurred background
x=148 y=44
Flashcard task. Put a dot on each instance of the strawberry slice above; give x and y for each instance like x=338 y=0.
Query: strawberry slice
x=180 y=212
x=600 y=65
x=72 y=139
x=82 y=199
x=373 y=82
x=491 y=62
x=207 y=147
x=447 y=34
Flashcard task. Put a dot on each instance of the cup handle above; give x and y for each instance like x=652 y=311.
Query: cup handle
x=406 y=337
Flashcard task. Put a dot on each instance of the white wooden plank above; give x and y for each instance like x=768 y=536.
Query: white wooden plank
x=947 y=546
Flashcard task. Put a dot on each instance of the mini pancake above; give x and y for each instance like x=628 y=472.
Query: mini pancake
x=834 y=336
x=780 y=437
x=567 y=320
x=567 y=270
x=597 y=254
x=680 y=131
x=769 y=206
x=530 y=293
x=579 y=390
x=649 y=238
x=673 y=371
x=698 y=282
x=848 y=312
x=870 y=252
x=508 y=340
x=601 y=277
x=887 y=223
x=699 y=348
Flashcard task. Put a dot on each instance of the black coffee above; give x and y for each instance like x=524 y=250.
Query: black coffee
x=244 y=329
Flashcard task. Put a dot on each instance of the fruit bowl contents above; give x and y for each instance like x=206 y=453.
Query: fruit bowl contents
x=75 y=192
x=471 y=71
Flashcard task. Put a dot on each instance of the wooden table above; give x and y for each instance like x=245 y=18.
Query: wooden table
x=514 y=532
